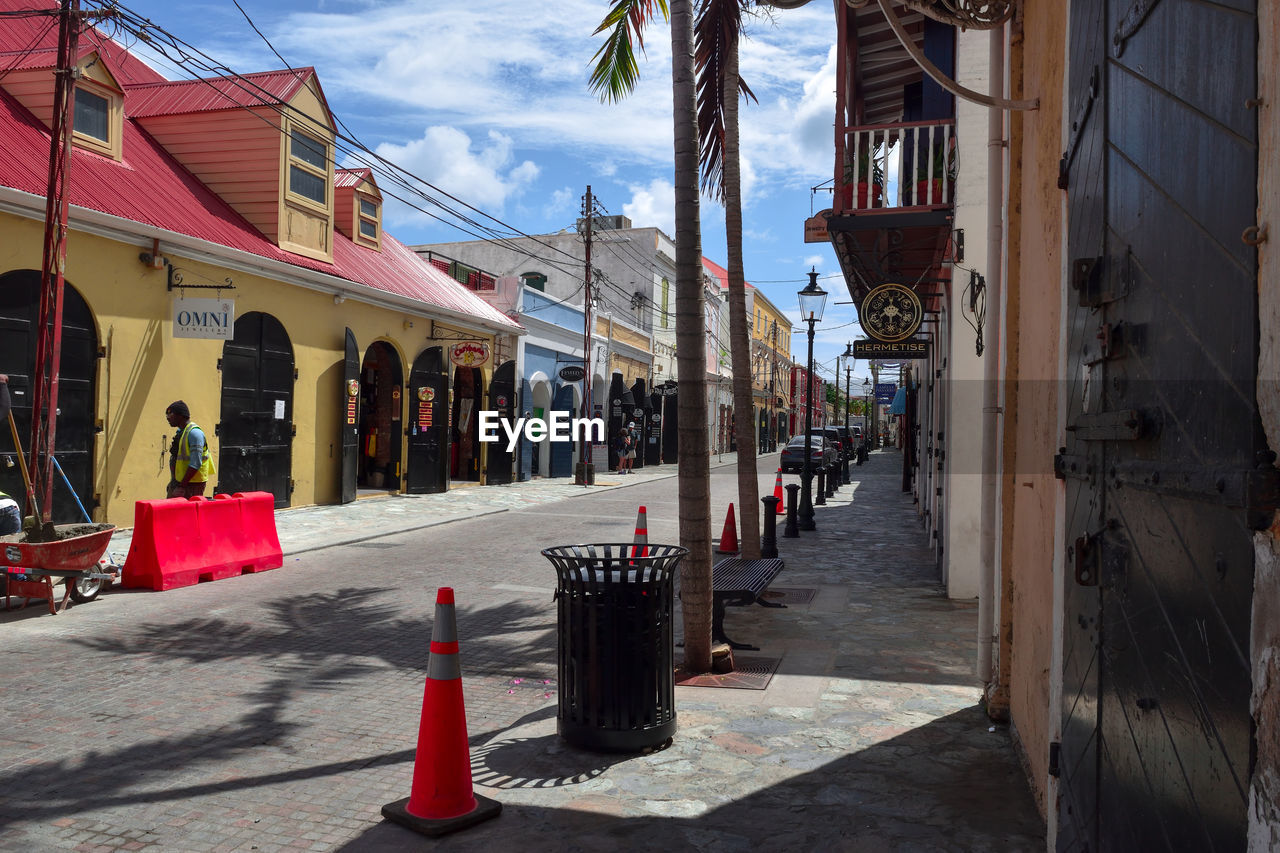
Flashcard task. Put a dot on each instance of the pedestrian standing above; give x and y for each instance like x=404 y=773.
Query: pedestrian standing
x=625 y=453
x=190 y=466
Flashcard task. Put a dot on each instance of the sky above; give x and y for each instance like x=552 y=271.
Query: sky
x=489 y=101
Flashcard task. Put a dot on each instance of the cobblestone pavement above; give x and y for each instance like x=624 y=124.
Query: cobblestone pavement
x=279 y=711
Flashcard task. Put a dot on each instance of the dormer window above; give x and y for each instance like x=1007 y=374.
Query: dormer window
x=308 y=168
x=93 y=115
x=368 y=219
x=96 y=120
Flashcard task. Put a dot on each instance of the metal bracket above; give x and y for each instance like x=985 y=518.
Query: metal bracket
x=1122 y=425
x=1077 y=129
x=1130 y=24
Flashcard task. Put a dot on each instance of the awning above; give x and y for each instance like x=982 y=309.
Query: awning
x=899 y=404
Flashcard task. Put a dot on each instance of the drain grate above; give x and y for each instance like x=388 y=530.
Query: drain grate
x=749 y=673
x=789 y=595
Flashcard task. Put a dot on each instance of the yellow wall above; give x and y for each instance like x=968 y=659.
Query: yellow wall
x=146 y=368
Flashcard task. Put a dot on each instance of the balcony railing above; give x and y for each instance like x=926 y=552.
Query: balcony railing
x=895 y=166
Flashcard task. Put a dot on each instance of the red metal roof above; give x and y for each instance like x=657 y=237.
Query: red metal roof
x=151 y=188
x=722 y=274
x=215 y=93
x=351 y=177
x=32 y=42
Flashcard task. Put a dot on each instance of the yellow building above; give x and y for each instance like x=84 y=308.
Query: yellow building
x=215 y=255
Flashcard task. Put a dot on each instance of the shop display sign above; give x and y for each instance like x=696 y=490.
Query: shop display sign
x=204 y=318
x=353 y=396
x=469 y=353
x=426 y=395
x=573 y=373
x=890 y=313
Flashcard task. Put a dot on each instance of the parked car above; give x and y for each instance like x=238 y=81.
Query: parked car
x=832 y=438
x=821 y=454
x=847 y=445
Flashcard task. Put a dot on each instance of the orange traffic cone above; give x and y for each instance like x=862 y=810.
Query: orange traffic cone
x=441 y=800
x=729 y=538
x=777 y=493
x=641 y=548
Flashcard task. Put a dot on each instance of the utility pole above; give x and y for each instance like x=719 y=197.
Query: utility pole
x=773 y=376
x=44 y=398
x=586 y=474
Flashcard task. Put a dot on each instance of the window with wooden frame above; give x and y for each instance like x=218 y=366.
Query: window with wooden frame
x=368 y=223
x=97 y=119
x=308 y=168
x=536 y=280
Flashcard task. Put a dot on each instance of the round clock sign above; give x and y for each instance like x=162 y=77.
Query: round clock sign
x=890 y=313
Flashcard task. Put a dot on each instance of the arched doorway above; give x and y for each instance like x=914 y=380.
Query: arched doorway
x=255 y=448
x=381 y=406
x=468 y=400
x=77 y=383
x=540 y=451
x=561 y=452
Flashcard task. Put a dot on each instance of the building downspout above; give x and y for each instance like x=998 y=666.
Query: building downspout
x=991 y=364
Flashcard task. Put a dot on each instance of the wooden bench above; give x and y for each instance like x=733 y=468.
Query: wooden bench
x=740 y=582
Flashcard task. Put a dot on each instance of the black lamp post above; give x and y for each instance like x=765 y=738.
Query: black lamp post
x=866 y=413
x=812 y=300
x=848 y=404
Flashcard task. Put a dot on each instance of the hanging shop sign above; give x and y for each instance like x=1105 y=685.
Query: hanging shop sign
x=890 y=313
x=573 y=373
x=816 y=227
x=469 y=354
x=910 y=348
x=885 y=391
x=204 y=318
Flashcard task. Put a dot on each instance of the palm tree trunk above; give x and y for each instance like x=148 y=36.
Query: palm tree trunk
x=694 y=478
x=739 y=338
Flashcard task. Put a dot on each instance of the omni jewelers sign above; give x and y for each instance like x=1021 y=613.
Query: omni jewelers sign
x=204 y=318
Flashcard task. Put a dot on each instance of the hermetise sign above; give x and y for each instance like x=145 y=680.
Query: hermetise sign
x=890 y=313
x=910 y=348
x=204 y=318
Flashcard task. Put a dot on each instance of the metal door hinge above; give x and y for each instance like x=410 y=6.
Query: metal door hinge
x=1121 y=425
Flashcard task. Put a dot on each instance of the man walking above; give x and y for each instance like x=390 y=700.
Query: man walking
x=190 y=465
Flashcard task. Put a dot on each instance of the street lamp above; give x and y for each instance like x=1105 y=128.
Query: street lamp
x=812 y=300
x=866 y=413
x=848 y=404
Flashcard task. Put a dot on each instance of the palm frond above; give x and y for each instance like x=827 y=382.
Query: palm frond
x=615 y=71
x=717 y=30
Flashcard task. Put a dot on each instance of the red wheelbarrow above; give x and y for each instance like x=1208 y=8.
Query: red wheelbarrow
x=73 y=558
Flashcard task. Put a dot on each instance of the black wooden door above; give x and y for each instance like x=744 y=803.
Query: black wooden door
x=638 y=397
x=255 y=431
x=526 y=446
x=428 y=468
x=653 y=444
x=562 y=451
x=349 y=425
x=77 y=373
x=1164 y=435
x=502 y=399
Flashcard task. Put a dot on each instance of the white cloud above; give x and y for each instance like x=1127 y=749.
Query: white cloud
x=653 y=205
x=815 y=260
x=486 y=175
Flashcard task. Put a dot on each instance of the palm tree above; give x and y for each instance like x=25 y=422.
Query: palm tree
x=614 y=76
x=719 y=29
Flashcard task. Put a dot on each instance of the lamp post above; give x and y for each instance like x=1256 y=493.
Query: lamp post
x=866 y=413
x=848 y=404
x=812 y=300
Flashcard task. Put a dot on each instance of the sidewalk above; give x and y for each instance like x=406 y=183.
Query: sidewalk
x=279 y=713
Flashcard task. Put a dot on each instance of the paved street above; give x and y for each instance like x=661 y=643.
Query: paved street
x=280 y=711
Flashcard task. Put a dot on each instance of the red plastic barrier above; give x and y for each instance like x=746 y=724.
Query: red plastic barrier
x=179 y=542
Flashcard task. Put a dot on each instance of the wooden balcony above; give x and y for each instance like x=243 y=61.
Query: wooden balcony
x=892 y=211
x=895 y=167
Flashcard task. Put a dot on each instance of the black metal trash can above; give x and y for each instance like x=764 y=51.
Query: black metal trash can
x=616 y=667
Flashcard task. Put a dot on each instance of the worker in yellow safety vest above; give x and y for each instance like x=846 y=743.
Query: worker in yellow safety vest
x=190 y=465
